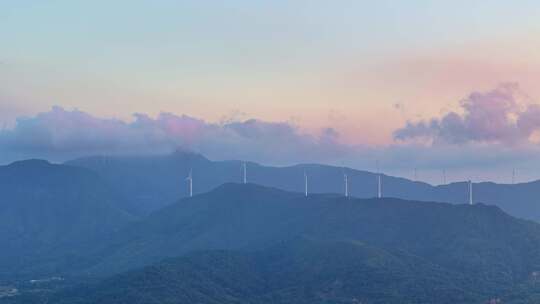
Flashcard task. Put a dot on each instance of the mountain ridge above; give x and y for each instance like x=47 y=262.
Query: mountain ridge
x=52 y=210
x=152 y=182
x=206 y=247
x=250 y=217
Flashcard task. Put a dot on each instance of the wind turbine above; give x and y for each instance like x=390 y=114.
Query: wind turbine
x=244 y=168
x=379 y=180
x=513 y=176
x=189 y=178
x=305 y=183
x=444 y=176
x=470 y=192
x=346 y=180
x=379 y=186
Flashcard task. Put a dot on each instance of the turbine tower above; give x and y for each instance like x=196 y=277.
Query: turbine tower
x=379 y=186
x=379 y=180
x=444 y=176
x=513 y=176
x=470 y=192
x=305 y=184
x=190 y=182
x=346 y=180
x=244 y=168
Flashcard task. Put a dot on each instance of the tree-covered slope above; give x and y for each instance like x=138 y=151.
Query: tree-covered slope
x=294 y=272
x=252 y=244
x=480 y=239
x=50 y=212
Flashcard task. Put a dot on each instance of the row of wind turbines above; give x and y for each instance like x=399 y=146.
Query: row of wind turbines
x=189 y=179
x=346 y=180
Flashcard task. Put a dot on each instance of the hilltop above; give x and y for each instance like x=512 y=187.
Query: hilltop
x=152 y=182
x=253 y=244
x=51 y=213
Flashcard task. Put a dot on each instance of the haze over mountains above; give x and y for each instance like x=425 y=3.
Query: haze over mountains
x=295 y=272
x=236 y=216
x=253 y=244
x=114 y=229
x=152 y=182
x=52 y=210
x=157 y=152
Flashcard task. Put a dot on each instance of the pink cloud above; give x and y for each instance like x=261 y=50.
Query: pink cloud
x=495 y=116
x=60 y=134
x=482 y=137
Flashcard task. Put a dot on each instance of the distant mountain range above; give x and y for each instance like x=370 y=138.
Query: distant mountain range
x=249 y=243
x=253 y=244
x=152 y=182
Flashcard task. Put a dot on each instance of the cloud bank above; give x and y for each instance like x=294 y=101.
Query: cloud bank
x=501 y=115
x=492 y=133
x=60 y=134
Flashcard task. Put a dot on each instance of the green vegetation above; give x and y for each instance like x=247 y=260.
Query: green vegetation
x=252 y=244
x=299 y=271
x=50 y=216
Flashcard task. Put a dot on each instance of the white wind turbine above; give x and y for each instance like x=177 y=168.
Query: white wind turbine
x=379 y=181
x=470 y=192
x=346 y=180
x=444 y=176
x=305 y=184
x=189 y=178
x=379 y=186
x=244 y=170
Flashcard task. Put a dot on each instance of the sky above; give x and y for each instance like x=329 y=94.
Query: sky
x=433 y=85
